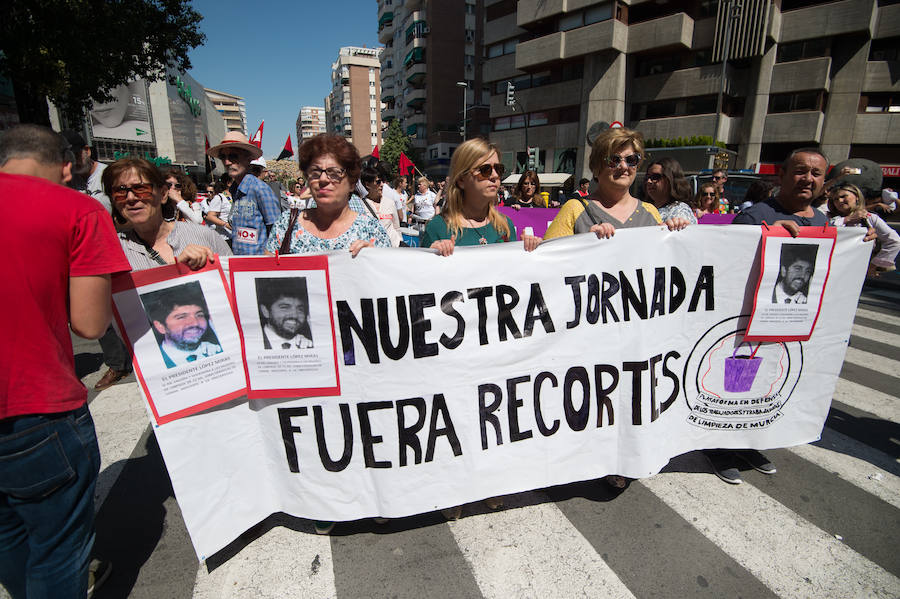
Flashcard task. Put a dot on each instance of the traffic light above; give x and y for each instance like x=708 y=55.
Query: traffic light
x=510 y=93
x=533 y=158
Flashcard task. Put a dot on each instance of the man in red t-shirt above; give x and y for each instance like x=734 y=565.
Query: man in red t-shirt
x=60 y=261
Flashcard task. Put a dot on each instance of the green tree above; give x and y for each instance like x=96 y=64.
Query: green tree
x=73 y=51
x=394 y=141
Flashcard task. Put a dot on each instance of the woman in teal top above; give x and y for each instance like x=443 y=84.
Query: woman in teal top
x=470 y=216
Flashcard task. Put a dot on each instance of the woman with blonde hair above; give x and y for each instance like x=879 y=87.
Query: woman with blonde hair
x=847 y=208
x=615 y=157
x=707 y=200
x=421 y=204
x=470 y=216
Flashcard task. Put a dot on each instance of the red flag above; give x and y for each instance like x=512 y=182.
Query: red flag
x=209 y=162
x=287 y=152
x=406 y=165
x=256 y=140
x=375 y=152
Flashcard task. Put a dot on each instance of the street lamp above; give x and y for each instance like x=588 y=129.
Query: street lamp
x=465 y=87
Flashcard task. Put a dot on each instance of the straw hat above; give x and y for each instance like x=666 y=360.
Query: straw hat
x=235 y=139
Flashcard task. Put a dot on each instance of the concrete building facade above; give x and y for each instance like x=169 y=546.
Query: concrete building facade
x=432 y=46
x=800 y=72
x=232 y=108
x=353 y=106
x=311 y=121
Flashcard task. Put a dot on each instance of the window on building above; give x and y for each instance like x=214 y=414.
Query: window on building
x=702 y=105
x=887 y=48
x=887 y=102
x=470 y=34
x=470 y=9
x=500 y=9
x=797 y=102
x=595 y=14
x=571 y=21
x=813 y=48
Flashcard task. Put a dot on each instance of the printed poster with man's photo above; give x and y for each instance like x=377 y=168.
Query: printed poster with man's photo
x=283 y=305
x=793 y=274
x=184 y=339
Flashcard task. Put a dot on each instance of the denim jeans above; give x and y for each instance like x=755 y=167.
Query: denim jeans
x=48 y=470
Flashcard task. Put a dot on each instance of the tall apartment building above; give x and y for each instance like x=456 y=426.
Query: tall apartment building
x=430 y=47
x=800 y=72
x=232 y=109
x=310 y=122
x=354 y=106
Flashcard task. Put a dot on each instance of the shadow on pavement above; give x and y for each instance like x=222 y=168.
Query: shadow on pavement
x=131 y=521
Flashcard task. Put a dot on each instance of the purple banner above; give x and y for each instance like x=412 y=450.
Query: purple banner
x=716 y=219
x=536 y=218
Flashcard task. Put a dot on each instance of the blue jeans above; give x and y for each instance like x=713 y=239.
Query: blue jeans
x=48 y=470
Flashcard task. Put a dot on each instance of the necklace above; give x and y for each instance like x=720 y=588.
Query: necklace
x=482 y=240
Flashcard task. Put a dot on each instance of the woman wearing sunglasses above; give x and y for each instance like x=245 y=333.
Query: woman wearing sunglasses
x=181 y=192
x=615 y=156
x=382 y=208
x=140 y=198
x=331 y=165
x=527 y=192
x=470 y=216
x=707 y=200
x=666 y=187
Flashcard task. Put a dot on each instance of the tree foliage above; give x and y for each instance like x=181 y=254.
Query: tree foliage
x=73 y=51
x=286 y=171
x=678 y=142
x=393 y=142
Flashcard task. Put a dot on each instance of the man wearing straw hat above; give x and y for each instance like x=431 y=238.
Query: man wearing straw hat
x=255 y=208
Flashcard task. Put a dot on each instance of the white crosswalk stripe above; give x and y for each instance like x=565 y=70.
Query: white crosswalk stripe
x=518 y=552
x=788 y=554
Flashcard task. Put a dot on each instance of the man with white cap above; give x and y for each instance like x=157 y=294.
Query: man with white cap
x=255 y=208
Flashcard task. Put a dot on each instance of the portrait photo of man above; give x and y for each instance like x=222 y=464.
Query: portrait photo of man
x=180 y=320
x=284 y=313
x=795 y=269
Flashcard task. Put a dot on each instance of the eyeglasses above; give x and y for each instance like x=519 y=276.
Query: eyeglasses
x=484 y=171
x=334 y=173
x=175 y=185
x=376 y=181
x=529 y=183
x=719 y=177
x=654 y=177
x=142 y=191
x=711 y=194
x=631 y=161
x=230 y=156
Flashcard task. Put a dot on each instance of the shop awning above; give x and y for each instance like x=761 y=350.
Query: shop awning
x=385 y=18
x=415 y=55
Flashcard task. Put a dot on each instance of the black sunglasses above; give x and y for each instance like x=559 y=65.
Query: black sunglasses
x=654 y=177
x=175 y=185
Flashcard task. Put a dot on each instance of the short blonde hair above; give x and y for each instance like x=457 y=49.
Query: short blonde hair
x=423 y=180
x=465 y=158
x=612 y=140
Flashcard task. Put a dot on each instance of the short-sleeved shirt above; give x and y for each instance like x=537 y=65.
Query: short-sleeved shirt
x=770 y=211
x=254 y=206
x=677 y=210
x=183 y=234
x=41 y=250
x=221 y=204
x=437 y=229
x=364 y=227
x=575 y=217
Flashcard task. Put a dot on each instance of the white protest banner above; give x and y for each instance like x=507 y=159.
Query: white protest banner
x=179 y=326
x=495 y=371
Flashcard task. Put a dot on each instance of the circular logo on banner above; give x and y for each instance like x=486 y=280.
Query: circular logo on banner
x=731 y=384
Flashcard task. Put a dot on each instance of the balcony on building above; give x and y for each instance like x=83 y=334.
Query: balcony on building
x=385 y=26
x=800 y=75
x=690 y=126
x=796 y=127
x=414 y=56
x=828 y=19
x=685 y=83
x=416 y=73
x=415 y=98
x=674 y=31
x=608 y=34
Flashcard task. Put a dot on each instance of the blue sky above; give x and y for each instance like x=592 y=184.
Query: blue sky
x=277 y=54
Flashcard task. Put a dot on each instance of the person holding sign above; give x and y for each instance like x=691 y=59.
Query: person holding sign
x=139 y=196
x=470 y=217
x=845 y=208
x=615 y=156
x=332 y=166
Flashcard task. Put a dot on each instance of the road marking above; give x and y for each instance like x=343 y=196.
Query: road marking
x=876 y=335
x=878 y=316
x=869 y=400
x=799 y=560
x=872 y=361
x=518 y=552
